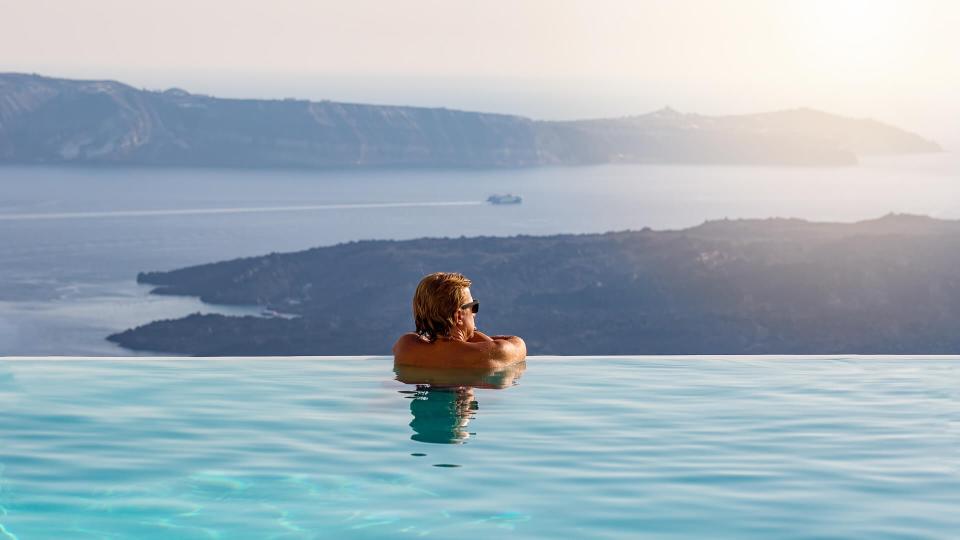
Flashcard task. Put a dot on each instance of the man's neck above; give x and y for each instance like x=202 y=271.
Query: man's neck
x=454 y=336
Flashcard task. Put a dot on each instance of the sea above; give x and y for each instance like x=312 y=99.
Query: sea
x=72 y=240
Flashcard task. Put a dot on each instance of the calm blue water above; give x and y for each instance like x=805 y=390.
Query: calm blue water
x=73 y=240
x=627 y=447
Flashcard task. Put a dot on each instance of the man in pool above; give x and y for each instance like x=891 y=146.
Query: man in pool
x=445 y=313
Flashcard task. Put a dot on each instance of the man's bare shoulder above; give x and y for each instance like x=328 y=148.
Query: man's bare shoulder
x=409 y=339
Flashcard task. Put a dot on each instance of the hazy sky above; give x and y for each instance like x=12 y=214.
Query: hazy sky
x=893 y=60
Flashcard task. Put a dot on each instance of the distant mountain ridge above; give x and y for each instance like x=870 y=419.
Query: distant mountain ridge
x=58 y=121
x=775 y=286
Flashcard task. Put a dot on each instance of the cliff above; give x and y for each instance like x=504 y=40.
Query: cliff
x=56 y=121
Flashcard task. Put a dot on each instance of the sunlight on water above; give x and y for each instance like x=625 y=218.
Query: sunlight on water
x=234 y=210
x=752 y=447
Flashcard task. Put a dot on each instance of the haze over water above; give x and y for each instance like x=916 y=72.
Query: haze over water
x=73 y=240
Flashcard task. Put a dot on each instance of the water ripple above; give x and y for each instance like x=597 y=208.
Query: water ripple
x=653 y=447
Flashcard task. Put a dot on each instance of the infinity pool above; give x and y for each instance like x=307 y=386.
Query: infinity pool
x=623 y=447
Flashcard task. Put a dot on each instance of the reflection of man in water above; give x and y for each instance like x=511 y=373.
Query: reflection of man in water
x=444 y=402
x=441 y=415
x=444 y=312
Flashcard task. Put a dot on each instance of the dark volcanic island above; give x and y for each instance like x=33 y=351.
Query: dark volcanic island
x=777 y=286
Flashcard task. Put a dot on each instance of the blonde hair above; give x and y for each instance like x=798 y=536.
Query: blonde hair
x=438 y=297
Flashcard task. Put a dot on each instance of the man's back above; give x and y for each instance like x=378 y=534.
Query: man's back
x=481 y=352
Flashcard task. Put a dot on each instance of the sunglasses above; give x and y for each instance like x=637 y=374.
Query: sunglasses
x=474 y=306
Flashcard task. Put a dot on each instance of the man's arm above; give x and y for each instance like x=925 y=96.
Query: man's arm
x=498 y=353
x=506 y=349
x=519 y=346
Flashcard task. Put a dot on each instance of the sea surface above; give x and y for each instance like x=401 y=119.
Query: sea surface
x=73 y=239
x=601 y=448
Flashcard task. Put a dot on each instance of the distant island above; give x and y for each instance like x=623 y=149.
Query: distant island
x=57 y=121
x=775 y=286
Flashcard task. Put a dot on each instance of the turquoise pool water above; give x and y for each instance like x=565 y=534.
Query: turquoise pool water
x=624 y=447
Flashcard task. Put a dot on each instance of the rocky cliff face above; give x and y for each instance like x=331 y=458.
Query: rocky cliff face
x=54 y=121
x=50 y=120
x=45 y=120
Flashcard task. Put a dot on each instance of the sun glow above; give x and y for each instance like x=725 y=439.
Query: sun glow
x=853 y=38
